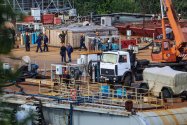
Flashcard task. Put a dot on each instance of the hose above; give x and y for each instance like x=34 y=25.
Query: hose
x=11 y=84
x=21 y=88
x=145 y=47
x=16 y=84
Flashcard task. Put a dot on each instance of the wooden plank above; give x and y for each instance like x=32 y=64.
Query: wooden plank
x=90 y=52
x=174 y=100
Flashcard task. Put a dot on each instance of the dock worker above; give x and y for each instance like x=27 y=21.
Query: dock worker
x=63 y=53
x=82 y=42
x=96 y=42
x=45 y=43
x=109 y=41
x=66 y=78
x=62 y=37
x=27 y=42
x=39 y=43
x=69 y=51
x=169 y=32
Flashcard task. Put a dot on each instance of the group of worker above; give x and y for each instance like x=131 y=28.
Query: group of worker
x=38 y=41
x=93 y=45
x=63 y=50
x=68 y=49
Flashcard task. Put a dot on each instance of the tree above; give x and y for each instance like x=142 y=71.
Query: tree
x=6 y=28
x=113 y=6
x=6 y=44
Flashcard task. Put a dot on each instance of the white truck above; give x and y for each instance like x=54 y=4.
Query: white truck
x=121 y=67
x=164 y=80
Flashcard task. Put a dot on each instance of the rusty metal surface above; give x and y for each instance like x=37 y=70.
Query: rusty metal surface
x=176 y=116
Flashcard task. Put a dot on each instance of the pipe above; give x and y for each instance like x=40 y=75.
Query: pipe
x=2 y=86
x=21 y=91
x=71 y=114
x=98 y=71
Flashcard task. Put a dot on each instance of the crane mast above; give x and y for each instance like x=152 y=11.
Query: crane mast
x=167 y=50
x=174 y=23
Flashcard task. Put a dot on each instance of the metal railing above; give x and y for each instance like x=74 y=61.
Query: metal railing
x=93 y=94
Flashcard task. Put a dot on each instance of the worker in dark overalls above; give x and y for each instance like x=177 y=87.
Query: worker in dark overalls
x=45 y=43
x=39 y=43
x=69 y=51
x=67 y=78
x=62 y=37
x=27 y=42
x=63 y=53
x=82 y=42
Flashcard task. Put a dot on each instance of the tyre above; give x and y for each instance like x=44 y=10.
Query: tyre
x=127 y=80
x=166 y=93
x=90 y=68
x=143 y=62
x=143 y=88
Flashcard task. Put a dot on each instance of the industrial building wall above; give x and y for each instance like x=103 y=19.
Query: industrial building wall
x=73 y=37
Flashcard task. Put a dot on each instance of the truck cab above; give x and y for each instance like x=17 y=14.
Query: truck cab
x=115 y=67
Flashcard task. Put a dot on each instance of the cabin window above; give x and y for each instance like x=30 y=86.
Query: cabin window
x=156 y=48
x=122 y=58
x=109 y=58
x=166 y=46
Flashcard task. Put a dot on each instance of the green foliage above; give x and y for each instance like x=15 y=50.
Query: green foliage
x=138 y=6
x=6 y=31
x=6 y=43
x=7 y=75
x=20 y=16
x=6 y=40
x=181 y=7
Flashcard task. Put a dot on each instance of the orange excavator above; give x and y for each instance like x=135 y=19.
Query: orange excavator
x=166 y=50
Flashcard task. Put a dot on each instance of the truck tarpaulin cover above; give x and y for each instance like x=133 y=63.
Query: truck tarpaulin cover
x=166 y=77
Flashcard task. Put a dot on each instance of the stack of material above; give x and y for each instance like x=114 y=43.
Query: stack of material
x=57 y=21
x=29 y=19
x=48 y=18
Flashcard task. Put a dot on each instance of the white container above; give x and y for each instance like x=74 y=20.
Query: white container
x=35 y=12
x=106 y=21
x=92 y=57
x=80 y=61
x=6 y=66
x=72 y=12
x=129 y=33
x=135 y=48
x=84 y=59
x=59 y=69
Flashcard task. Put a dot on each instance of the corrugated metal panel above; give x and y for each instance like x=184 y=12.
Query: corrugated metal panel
x=54 y=38
x=164 y=117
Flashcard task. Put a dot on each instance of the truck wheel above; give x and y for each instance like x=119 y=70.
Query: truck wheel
x=127 y=80
x=90 y=68
x=143 y=88
x=143 y=62
x=166 y=93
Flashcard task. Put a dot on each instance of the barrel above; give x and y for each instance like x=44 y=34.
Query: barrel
x=105 y=89
x=33 y=38
x=24 y=38
x=129 y=105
